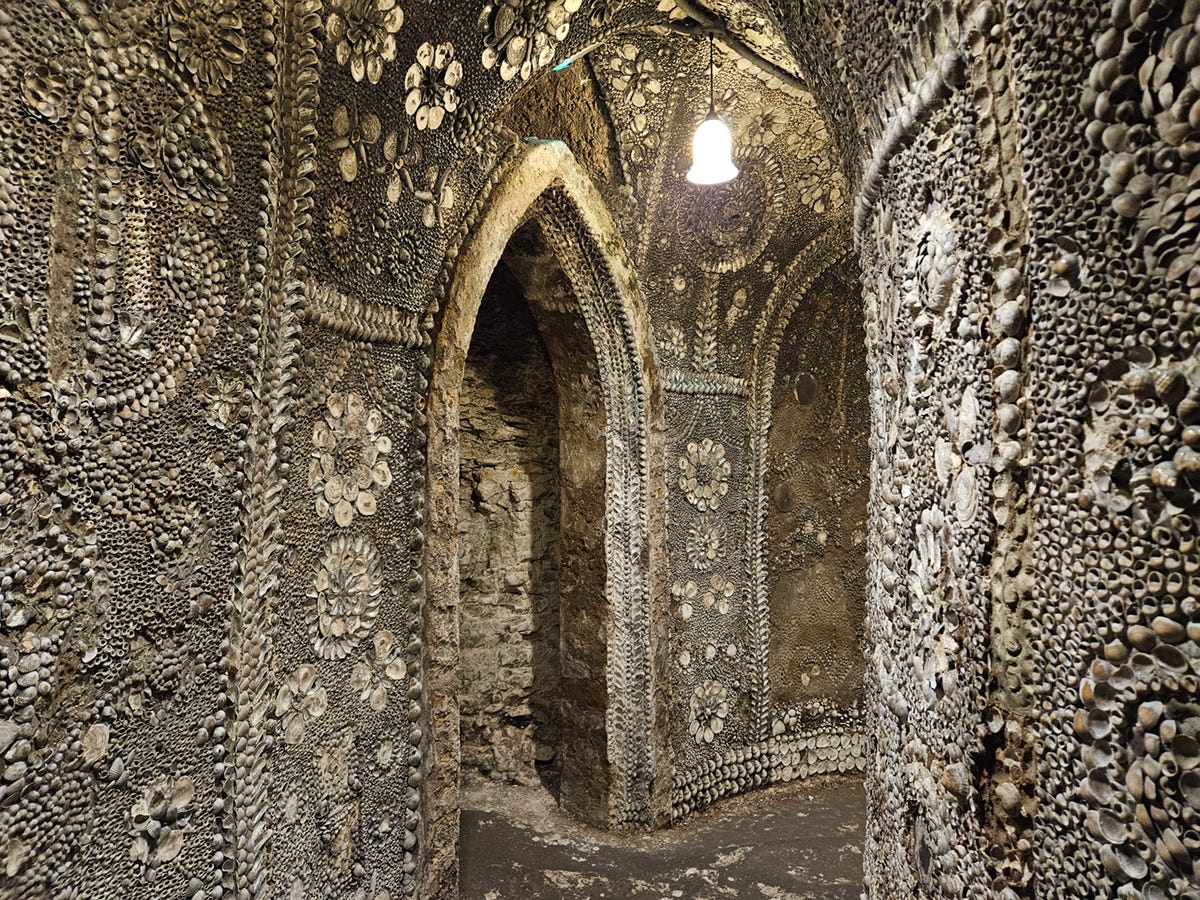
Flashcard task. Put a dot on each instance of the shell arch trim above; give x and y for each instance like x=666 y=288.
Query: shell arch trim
x=542 y=183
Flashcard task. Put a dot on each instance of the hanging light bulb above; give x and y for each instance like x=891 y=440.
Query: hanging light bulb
x=712 y=151
x=712 y=145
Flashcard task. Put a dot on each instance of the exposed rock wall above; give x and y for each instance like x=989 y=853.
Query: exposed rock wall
x=509 y=560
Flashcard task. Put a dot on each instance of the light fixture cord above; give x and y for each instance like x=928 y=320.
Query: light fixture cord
x=712 y=90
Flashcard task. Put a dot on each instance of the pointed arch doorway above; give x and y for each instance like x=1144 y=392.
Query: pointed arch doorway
x=560 y=245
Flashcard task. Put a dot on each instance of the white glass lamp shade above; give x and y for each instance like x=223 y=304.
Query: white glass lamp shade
x=712 y=153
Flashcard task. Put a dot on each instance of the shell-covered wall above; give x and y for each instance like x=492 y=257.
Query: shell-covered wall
x=1024 y=222
x=227 y=230
x=140 y=260
x=816 y=482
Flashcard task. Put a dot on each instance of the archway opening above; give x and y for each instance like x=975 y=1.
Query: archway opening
x=509 y=546
x=545 y=231
x=534 y=615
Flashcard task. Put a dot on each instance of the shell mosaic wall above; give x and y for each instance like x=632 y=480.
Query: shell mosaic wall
x=1030 y=293
x=229 y=234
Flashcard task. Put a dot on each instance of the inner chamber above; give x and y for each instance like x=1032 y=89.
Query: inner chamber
x=509 y=530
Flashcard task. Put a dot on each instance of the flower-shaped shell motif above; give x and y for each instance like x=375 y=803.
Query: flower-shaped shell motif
x=48 y=89
x=159 y=820
x=346 y=593
x=436 y=195
x=363 y=34
x=705 y=542
x=522 y=36
x=635 y=75
x=431 y=83
x=196 y=157
x=373 y=678
x=399 y=157
x=768 y=120
x=710 y=706
x=719 y=592
x=354 y=136
x=349 y=459
x=684 y=592
x=704 y=474
x=300 y=700
x=207 y=40
x=224 y=402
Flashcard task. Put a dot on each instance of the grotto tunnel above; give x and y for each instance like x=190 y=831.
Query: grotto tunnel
x=433 y=463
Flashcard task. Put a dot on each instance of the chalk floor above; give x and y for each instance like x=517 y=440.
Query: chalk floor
x=801 y=841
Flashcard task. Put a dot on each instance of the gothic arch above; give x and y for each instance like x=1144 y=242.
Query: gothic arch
x=828 y=250
x=542 y=198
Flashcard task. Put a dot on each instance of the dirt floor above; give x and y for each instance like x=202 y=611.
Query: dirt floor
x=793 y=842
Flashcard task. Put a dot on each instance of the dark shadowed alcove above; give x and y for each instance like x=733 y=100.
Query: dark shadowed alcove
x=509 y=544
x=533 y=610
